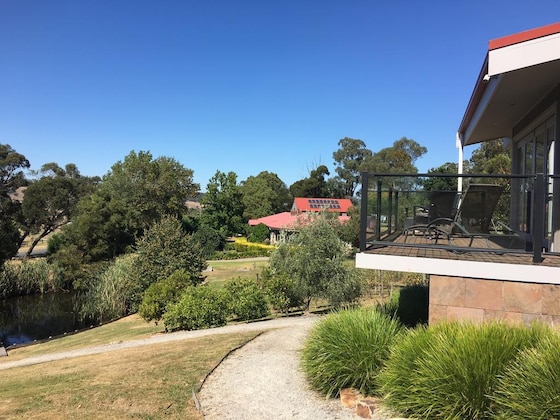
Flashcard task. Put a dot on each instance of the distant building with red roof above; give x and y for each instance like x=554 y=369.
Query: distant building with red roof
x=281 y=224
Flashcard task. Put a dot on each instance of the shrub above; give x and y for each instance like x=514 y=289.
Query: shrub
x=209 y=240
x=199 y=307
x=163 y=249
x=530 y=386
x=281 y=291
x=450 y=370
x=258 y=233
x=348 y=349
x=245 y=299
x=164 y=292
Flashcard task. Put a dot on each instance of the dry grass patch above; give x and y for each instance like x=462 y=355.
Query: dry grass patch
x=224 y=270
x=148 y=382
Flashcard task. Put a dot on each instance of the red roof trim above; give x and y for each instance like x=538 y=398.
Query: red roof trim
x=524 y=36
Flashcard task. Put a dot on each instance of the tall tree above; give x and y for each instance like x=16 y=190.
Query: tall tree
x=349 y=159
x=133 y=195
x=49 y=202
x=12 y=177
x=313 y=186
x=490 y=158
x=442 y=184
x=264 y=194
x=223 y=204
x=399 y=158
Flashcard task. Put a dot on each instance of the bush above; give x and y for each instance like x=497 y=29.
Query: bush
x=163 y=249
x=245 y=299
x=282 y=291
x=530 y=387
x=348 y=349
x=164 y=292
x=209 y=240
x=199 y=307
x=259 y=233
x=450 y=370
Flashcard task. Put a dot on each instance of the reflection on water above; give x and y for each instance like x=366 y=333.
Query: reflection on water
x=29 y=318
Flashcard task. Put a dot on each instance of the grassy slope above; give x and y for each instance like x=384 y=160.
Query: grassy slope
x=146 y=382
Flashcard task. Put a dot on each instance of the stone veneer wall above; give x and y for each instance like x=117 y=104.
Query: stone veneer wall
x=484 y=299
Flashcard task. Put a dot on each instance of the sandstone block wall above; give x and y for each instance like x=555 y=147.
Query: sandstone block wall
x=484 y=299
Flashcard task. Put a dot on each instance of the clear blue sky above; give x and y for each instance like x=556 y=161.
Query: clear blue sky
x=242 y=85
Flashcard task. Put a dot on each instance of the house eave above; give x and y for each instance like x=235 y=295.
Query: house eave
x=518 y=71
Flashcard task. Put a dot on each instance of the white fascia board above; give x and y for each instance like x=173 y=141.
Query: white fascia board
x=489 y=92
x=524 y=54
x=458 y=268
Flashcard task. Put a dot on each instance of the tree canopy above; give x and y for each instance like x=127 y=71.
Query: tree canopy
x=223 y=204
x=12 y=165
x=349 y=159
x=313 y=186
x=134 y=194
x=50 y=202
x=399 y=158
x=263 y=195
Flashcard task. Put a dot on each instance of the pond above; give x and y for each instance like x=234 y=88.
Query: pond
x=26 y=319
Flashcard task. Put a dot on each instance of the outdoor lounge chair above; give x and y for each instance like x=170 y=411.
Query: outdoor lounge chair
x=443 y=204
x=472 y=216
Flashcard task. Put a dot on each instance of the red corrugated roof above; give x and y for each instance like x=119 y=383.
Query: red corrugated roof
x=338 y=205
x=286 y=220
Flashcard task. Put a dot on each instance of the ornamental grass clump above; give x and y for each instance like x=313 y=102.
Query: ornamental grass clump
x=450 y=370
x=529 y=389
x=348 y=349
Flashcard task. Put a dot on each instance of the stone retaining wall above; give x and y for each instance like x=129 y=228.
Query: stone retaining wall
x=485 y=299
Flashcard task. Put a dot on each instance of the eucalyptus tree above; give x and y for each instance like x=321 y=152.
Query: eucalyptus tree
x=398 y=158
x=315 y=185
x=50 y=202
x=12 y=176
x=349 y=159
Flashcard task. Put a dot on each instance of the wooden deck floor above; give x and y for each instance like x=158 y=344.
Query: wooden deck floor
x=484 y=249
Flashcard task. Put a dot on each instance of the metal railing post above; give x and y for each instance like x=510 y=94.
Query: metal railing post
x=538 y=217
x=390 y=211
x=364 y=211
x=378 y=218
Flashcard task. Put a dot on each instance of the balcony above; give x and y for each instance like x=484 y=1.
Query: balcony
x=433 y=226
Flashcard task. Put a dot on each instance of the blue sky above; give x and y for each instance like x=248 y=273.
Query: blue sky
x=244 y=85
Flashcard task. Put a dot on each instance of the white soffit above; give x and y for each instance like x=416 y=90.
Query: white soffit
x=524 y=54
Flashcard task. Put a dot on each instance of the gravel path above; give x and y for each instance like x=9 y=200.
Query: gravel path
x=263 y=380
